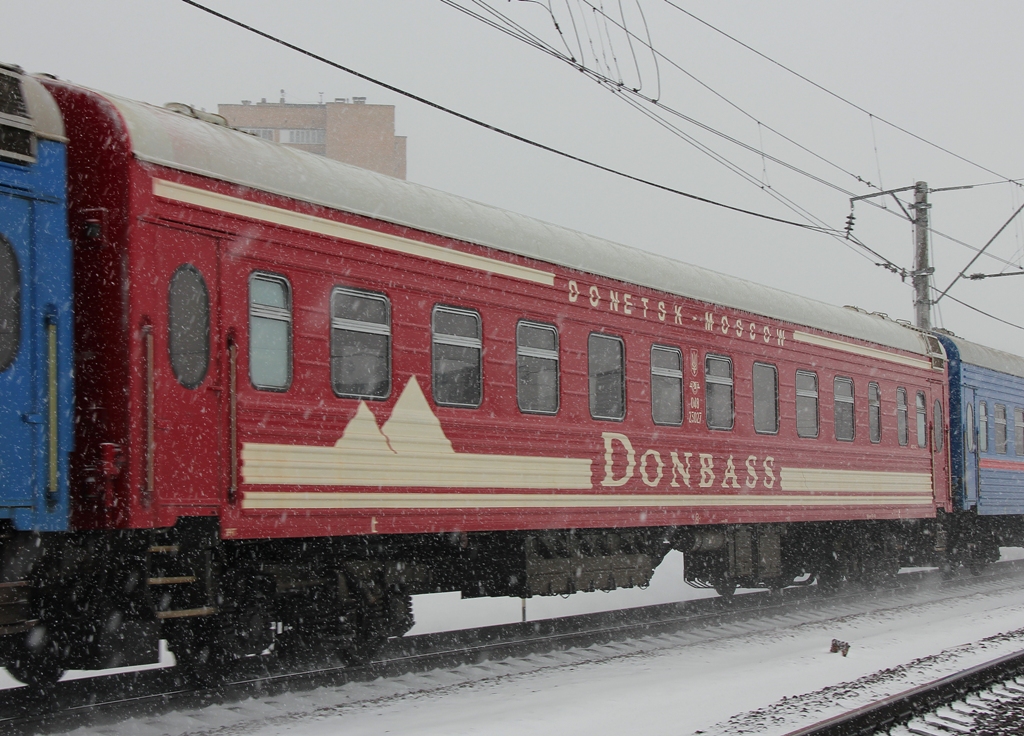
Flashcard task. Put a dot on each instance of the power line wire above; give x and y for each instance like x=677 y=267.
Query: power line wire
x=494 y=128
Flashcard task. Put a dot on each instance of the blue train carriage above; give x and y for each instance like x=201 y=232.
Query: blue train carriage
x=36 y=431
x=986 y=443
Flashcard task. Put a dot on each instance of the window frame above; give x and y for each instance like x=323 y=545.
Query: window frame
x=457 y=341
x=191 y=386
x=275 y=313
x=668 y=373
x=983 y=426
x=902 y=412
x=542 y=355
x=753 y=392
x=938 y=425
x=590 y=393
x=343 y=323
x=851 y=400
x=969 y=428
x=874 y=413
x=709 y=381
x=921 y=419
x=997 y=424
x=1018 y=431
x=816 y=395
x=15 y=302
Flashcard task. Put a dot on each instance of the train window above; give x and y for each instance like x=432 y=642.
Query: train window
x=270 y=332
x=806 y=404
x=666 y=385
x=766 y=398
x=922 y=420
x=1018 y=431
x=607 y=370
x=458 y=357
x=360 y=344
x=188 y=325
x=969 y=427
x=874 y=413
x=901 y=417
x=983 y=426
x=10 y=304
x=940 y=427
x=718 y=391
x=999 y=419
x=537 y=368
x=844 y=416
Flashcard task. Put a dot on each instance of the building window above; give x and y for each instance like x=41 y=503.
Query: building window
x=270 y=332
x=922 y=420
x=940 y=426
x=902 y=430
x=983 y=426
x=806 y=404
x=766 y=398
x=718 y=391
x=666 y=385
x=10 y=304
x=999 y=419
x=874 y=413
x=969 y=427
x=606 y=356
x=266 y=134
x=188 y=325
x=458 y=357
x=360 y=344
x=537 y=368
x=302 y=136
x=844 y=418
x=1018 y=431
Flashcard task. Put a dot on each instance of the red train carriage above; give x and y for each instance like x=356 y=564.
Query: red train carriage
x=313 y=391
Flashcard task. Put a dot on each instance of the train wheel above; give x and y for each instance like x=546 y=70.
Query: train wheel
x=725 y=588
x=37 y=663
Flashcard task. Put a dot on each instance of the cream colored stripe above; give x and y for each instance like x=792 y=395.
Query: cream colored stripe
x=332 y=500
x=849 y=347
x=853 y=481
x=278 y=216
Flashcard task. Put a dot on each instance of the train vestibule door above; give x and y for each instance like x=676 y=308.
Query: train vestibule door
x=970 y=440
x=187 y=374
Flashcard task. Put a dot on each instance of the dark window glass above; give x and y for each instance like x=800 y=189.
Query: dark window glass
x=458 y=357
x=718 y=391
x=902 y=431
x=922 y=420
x=940 y=427
x=188 y=325
x=537 y=368
x=666 y=385
x=844 y=415
x=270 y=332
x=10 y=304
x=806 y=404
x=766 y=398
x=983 y=426
x=360 y=344
x=874 y=413
x=999 y=419
x=969 y=427
x=606 y=357
x=1018 y=431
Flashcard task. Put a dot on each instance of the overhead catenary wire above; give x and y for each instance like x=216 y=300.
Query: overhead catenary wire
x=494 y=128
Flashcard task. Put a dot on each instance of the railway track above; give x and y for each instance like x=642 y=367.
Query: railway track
x=148 y=694
x=985 y=699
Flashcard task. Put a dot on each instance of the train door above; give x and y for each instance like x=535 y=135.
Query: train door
x=970 y=442
x=187 y=380
x=22 y=413
x=939 y=437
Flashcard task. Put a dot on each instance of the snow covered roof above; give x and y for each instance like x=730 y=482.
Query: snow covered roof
x=987 y=357
x=47 y=121
x=181 y=142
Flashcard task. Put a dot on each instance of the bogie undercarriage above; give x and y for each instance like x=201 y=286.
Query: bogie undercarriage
x=105 y=599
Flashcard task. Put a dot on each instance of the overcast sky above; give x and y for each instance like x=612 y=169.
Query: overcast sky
x=944 y=71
